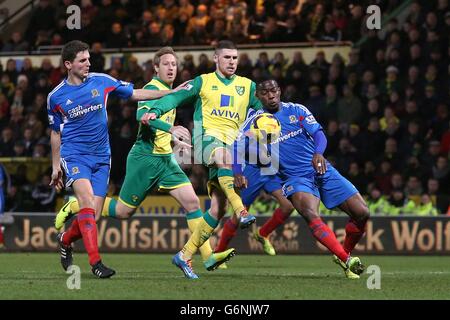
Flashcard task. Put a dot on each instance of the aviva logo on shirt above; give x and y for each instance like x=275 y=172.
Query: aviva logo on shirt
x=226 y=100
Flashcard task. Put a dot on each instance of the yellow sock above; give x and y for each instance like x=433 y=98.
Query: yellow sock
x=226 y=181
x=193 y=219
x=204 y=229
x=109 y=207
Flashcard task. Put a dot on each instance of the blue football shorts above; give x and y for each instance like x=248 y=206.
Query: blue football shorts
x=94 y=168
x=331 y=188
x=256 y=182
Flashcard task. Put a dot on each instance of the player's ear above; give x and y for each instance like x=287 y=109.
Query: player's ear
x=215 y=58
x=68 y=64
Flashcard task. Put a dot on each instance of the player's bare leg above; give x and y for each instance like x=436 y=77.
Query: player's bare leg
x=308 y=206
x=279 y=217
x=357 y=209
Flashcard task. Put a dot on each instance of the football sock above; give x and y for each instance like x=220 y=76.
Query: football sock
x=202 y=232
x=228 y=232
x=326 y=236
x=277 y=219
x=353 y=233
x=226 y=181
x=193 y=219
x=108 y=210
x=109 y=207
x=88 y=228
x=72 y=234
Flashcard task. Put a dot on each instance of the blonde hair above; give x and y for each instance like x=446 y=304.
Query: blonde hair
x=161 y=52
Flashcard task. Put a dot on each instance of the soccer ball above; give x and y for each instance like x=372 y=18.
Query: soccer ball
x=265 y=127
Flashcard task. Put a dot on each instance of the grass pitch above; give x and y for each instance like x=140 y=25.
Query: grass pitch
x=152 y=276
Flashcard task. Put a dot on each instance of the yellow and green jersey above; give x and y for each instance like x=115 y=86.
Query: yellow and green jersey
x=221 y=104
x=154 y=139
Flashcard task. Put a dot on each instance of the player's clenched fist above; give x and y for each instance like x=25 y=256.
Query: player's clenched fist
x=181 y=134
x=57 y=179
x=146 y=117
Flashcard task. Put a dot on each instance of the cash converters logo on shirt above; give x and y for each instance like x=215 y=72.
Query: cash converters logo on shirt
x=79 y=111
x=287 y=136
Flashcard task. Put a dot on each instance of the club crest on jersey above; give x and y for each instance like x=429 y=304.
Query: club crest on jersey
x=95 y=93
x=293 y=119
x=214 y=88
x=75 y=170
x=240 y=90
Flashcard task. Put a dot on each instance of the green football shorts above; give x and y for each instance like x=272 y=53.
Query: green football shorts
x=145 y=172
x=209 y=146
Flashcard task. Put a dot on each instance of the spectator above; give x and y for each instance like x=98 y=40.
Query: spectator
x=413 y=186
x=441 y=199
x=44 y=195
x=400 y=204
x=426 y=207
x=42 y=21
x=349 y=107
x=7 y=143
x=16 y=43
x=441 y=172
x=377 y=203
x=117 y=37
x=97 y=58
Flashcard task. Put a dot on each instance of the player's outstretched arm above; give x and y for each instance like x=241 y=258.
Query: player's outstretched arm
x=172 y=101
x=55 y=142
x=144 y=94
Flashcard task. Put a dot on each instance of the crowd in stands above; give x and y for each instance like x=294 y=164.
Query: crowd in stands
x=385 y=110
x=137 y=23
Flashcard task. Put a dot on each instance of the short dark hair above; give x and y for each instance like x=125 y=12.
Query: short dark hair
x=161 y=52
x=71 y=49
x=225 y=44
x=266 y=83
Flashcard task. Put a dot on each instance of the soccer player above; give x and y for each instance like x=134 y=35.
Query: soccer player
x=221 y=100
x=80 y=144
x=150 y=162
x=309 y=178
x=251 y=180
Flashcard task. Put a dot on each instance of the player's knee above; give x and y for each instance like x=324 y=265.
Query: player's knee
x=309 y=213
x=286 y=209
x=361 y=212
x=192 y=204
x=86 y=201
